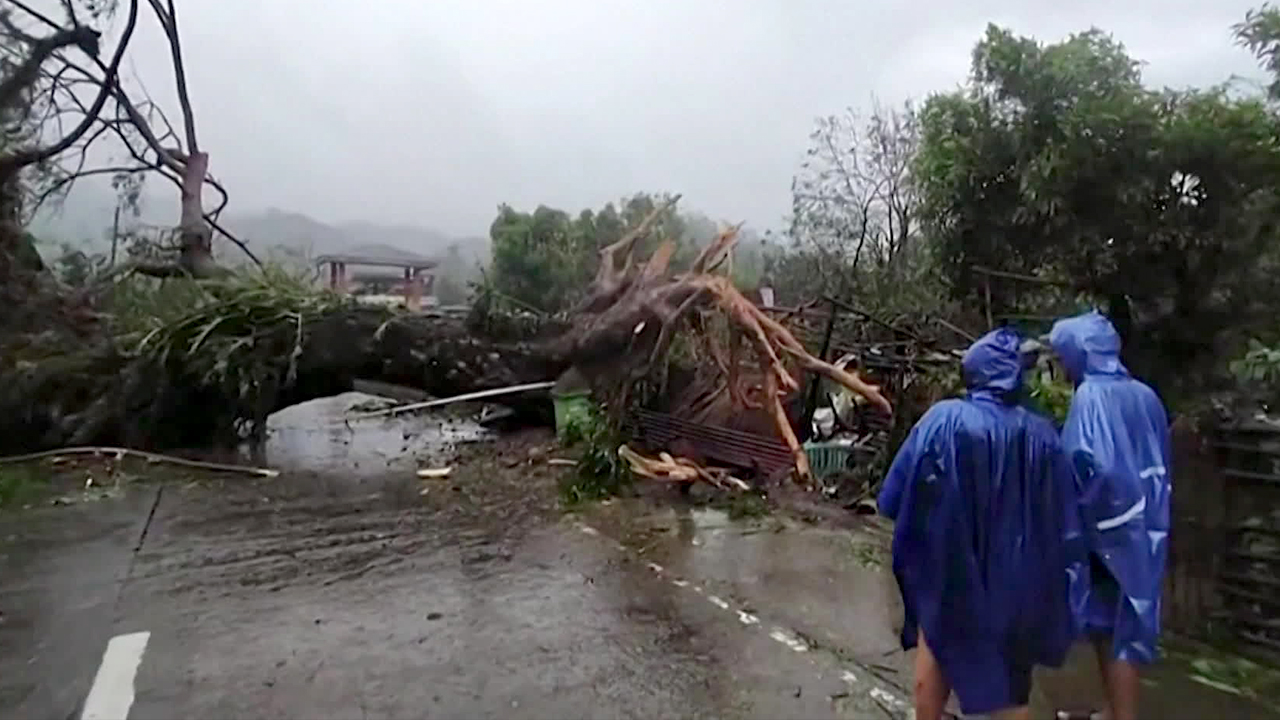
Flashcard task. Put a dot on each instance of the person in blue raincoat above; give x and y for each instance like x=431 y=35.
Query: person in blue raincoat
x=986 y=540
x=1117 y=440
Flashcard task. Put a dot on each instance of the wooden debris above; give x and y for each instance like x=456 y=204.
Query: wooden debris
x=673 y=469
x=466 y=397
x=631 y=306
x=60 y=455
x=435 y=473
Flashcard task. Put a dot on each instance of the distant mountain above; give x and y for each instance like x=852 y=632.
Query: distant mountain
x=294 y=237
x=84 y=220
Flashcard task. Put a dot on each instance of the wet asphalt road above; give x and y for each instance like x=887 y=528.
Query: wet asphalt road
x=346 y=597
x=388 y=615
x=348 y=589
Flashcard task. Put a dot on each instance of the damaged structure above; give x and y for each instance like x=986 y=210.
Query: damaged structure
x=691 y=346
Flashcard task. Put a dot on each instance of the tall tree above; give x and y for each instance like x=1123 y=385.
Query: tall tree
x=854 y=196
x=57 y=104
x=854 y=203
x=1259 y=33
x=547 y=258
x=1055 y=159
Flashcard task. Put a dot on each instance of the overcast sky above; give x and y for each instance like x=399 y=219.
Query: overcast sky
x=434 y=112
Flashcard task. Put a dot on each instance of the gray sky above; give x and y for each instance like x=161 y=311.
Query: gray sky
x=404 y=111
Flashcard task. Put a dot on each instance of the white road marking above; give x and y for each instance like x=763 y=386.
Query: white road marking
x=886 y=697
x=112 y=693
x=780 y=634
x=786 y=638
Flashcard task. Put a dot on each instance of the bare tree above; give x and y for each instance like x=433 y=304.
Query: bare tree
x=854 y=199
x=68 y=101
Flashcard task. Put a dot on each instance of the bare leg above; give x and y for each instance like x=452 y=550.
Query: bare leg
x=932 y=689
x=1102 y=649
x=1121 y=681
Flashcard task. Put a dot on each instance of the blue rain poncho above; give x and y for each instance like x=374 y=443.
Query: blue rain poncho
x=1117 y=439
x=987 y=548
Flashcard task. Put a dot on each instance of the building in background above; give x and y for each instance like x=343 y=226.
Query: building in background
x=382 y=274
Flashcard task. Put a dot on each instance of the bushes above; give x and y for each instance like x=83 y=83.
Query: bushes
x=600 y=473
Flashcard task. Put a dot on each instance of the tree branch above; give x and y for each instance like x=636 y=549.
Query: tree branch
x=36 y=14
x=71 y=178
x=13 y=163
x=170 y=163
x=12 y=87
x=169 y=21
x=214 y=224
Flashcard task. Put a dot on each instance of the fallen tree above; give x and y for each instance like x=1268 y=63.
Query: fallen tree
x=251 y=344
x=227 y=349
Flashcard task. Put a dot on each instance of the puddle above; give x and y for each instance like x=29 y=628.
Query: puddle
x=318 y=436
x=806 y=578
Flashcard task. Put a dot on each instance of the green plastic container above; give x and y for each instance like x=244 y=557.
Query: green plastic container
x=572 y=408
x=827 y=458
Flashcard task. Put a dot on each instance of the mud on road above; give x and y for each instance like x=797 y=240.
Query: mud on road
x=348 y=587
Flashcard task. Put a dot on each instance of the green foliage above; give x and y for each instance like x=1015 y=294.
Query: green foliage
x=546 y=258
x=1056 y=161
x=137 y=305
x=20 y=484
x=581 y=425
x=1049 y=395
x=1260 y=34
x=1258 y=372
x=1232 y=674
x=600 y=472
x=501 y=317
x=241 y=336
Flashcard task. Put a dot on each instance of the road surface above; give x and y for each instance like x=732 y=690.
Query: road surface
x=348 y=588
x=324 y=597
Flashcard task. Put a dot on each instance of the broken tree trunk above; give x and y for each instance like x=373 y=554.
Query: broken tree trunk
x=194 y=234
x=621 y=335
x=98 y=395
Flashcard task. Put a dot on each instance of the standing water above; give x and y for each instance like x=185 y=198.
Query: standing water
x=318 y=437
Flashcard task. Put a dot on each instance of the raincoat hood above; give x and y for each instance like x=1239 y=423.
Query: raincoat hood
x=1087 y=344
x=987 y=544
x=993 y=365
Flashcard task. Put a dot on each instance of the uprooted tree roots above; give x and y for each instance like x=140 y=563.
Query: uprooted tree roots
x=632 y=313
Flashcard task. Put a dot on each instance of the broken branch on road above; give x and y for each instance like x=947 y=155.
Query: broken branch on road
x=120 y=452
x=673 y=469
